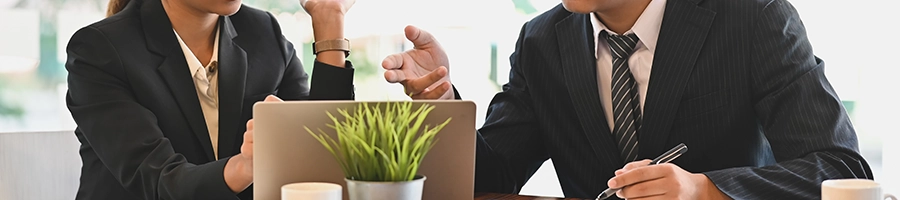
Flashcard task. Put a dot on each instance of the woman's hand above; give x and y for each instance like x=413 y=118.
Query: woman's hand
x=326 y=7
x=328 y=24
x=239 y=169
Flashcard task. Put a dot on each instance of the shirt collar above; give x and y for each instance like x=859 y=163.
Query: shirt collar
x=646 y=27
x=192 y=61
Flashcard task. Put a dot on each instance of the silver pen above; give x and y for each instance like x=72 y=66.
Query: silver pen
x=664 y=158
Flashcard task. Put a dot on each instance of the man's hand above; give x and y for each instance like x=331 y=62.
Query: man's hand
x=239 y=169
x=423 y=70
x=639 y=180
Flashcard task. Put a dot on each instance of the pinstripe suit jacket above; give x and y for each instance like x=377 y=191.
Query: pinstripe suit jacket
x=735 y=80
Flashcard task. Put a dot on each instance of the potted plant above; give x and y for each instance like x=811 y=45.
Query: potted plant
x=380 y=148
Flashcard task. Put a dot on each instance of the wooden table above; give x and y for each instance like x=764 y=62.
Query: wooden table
x=490 y=196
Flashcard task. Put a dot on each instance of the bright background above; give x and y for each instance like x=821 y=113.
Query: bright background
x=478 y=35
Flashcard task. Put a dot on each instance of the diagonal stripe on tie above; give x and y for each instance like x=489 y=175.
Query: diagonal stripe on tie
x=627 y=118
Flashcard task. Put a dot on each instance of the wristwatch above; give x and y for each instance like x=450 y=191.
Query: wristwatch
x=332 y=45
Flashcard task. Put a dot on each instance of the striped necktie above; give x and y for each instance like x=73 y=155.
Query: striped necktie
x=626 y=106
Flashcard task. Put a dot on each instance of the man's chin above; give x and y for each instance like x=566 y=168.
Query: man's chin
x=576 y=8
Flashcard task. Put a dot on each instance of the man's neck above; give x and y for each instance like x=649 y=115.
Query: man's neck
x=621 y=18
x=196 y=28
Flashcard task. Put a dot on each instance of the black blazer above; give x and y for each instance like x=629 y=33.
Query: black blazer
x=735 y=80
x=142 y=131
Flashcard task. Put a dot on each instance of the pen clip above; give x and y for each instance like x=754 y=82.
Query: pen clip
x=670 y=155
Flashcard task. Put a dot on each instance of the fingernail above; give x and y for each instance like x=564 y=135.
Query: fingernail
x=612 y=183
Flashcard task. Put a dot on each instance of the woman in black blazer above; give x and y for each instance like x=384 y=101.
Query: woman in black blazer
x=162 y=92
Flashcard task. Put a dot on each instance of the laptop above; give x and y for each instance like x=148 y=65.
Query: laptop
x=284 y=152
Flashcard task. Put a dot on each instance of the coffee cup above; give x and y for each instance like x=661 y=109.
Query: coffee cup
x=311 y=191
x=853 y=189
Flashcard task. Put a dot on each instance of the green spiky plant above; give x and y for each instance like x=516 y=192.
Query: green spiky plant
x=381 y=144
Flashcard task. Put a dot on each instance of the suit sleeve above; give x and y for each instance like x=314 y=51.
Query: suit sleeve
x=329 y=83
x=124 y=134
x=806 y=125
x=509 y=149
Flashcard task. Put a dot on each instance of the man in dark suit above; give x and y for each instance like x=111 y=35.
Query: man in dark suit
x=162 y=90
x=600 y=86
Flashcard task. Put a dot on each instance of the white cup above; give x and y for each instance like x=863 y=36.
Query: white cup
x=311 y=191
x=853 y=189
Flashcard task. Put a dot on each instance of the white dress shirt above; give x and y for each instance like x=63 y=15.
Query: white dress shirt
x=640 y=62
x=206 y=82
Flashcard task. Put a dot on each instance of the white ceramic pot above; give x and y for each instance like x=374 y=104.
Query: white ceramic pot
x=374 y=190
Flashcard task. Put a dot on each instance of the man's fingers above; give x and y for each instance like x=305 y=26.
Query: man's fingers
x=644 y=190
x=632 y=165
x=638 y=175
x=418 y=37
x=393 y=61
x=273 y=98
x=636 y=164
x=392 y=65
x=394 y=76
x=436 y=93
x=419 y=85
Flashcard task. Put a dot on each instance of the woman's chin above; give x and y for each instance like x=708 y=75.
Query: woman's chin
x=233 y=7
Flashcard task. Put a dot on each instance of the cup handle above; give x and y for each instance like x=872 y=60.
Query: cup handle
x=889 y=196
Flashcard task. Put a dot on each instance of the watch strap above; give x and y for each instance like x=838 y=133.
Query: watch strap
x=332 y=45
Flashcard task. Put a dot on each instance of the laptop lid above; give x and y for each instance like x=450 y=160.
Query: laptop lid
x=284 y=152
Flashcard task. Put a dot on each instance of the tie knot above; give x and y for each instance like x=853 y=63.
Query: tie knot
x=621 y=45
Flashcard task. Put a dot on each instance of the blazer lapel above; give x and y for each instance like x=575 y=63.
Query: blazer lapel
x=174 y=69
x=683 y=31
x=575 y=39
x=232 y=79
